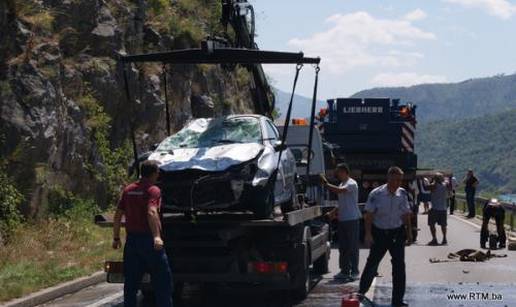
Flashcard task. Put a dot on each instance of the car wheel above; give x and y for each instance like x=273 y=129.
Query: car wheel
x=264 y=205
x=290 y=205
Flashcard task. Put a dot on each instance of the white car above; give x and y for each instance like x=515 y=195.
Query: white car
x=226 y=164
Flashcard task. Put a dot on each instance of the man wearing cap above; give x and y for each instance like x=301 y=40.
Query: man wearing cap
x=143 y=252
x=386 y=212
x=437 y=213
x=494 y=209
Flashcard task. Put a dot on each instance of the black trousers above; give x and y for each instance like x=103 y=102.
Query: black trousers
x=392 y=240
x=452 y=202
x=498 y=213
x=470 y=200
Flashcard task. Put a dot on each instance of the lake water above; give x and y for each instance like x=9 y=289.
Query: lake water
x=508 y=198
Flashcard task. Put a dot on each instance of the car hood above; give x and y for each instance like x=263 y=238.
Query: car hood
x=217 y=158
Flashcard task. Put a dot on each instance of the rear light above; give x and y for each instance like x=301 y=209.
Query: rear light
x=114 y=267
x=262 y=267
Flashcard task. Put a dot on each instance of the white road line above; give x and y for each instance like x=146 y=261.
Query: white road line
x=467 y=222
x=107 y=300
x=372 y=290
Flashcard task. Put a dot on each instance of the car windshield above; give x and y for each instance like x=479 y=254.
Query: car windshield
x=212 y=132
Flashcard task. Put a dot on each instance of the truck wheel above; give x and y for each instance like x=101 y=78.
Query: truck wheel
x=148 y=296
x=177 y=295
x=321 y=265
x=303 y=279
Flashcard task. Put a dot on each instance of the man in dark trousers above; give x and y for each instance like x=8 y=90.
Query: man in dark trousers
x=493 y=208
x=386 y=211
x=471 y=183
x=348 y=215
x=143 y=252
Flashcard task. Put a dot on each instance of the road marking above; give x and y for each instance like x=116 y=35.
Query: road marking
x=467 y=222
x=372 y=290
x=107 y=300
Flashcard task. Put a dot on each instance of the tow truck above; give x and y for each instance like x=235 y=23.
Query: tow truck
x=236 y=248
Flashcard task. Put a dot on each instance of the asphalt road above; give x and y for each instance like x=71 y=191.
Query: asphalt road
x=491 y=283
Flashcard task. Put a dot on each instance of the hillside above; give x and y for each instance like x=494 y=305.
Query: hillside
x=467 y=99
x=301 y=107
x=486 y=144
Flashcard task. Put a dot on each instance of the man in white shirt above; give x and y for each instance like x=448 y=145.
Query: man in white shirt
x=349 y=222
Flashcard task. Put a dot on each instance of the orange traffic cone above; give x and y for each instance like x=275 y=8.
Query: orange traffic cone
x=350 y=300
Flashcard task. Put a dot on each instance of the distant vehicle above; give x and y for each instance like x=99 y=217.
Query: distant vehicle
x=370 y=135
x=297 y=143
x=226 y=163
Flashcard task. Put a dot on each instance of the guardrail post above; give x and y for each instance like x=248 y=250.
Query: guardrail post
x=512 y=216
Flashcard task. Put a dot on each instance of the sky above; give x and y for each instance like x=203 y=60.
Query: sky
x=366 y=43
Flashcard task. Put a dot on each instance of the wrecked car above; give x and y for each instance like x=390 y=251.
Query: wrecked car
x=226 y=164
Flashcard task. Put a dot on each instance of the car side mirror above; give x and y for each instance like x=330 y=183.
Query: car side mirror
x=279 y=146
x=153 y=147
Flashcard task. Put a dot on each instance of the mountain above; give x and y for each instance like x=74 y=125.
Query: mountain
x=467 y=99
x=485 y=144
x=301 y=107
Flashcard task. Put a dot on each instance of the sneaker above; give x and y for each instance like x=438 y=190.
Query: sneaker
x=432 y=243
x=401 y=304
x=355 y=275
x=444 y=242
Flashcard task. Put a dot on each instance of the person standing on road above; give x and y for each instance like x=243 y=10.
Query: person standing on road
x=493 y=208
x=452 y=185
x=143 y=251
x=471 y=183
x=348 y=222
x=437 y=213
x=386 y=211
x=423 y=194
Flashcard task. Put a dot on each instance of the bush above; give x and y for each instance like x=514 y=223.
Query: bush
x=10 y=200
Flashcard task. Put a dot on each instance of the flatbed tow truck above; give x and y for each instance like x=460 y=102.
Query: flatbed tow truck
x=236 y=248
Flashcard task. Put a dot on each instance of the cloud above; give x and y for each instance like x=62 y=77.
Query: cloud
x=360 y=40
x=499 y=8
x=405 y=79
x=415 y=15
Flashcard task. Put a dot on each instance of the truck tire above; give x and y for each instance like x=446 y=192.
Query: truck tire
x=303 y=278
x=148 y=296
x=321 y=265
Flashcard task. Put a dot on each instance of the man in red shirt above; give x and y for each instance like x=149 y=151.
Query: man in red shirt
x=143 y=252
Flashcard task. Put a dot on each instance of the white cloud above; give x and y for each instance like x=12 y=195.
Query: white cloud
x=499 y=8
x=361 y=40
x=415 y=15
x=405 y=79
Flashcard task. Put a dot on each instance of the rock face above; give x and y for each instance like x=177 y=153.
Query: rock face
x=63 y=108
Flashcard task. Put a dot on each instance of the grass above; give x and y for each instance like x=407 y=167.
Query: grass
x=49 y=252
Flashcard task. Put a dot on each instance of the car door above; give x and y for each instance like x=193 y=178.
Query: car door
x=284 y=187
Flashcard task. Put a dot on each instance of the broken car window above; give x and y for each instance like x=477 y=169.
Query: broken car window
x=212 y=132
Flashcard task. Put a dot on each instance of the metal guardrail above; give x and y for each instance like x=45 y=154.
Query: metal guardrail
x=510 y=209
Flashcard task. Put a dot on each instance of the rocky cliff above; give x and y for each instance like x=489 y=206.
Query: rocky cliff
x=64 y=116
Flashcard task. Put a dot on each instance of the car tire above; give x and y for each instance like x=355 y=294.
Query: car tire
x=264 y=205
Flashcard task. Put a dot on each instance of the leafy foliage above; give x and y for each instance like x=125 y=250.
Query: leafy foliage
x=10 y=200
x=114 y=160
x=485 y=144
